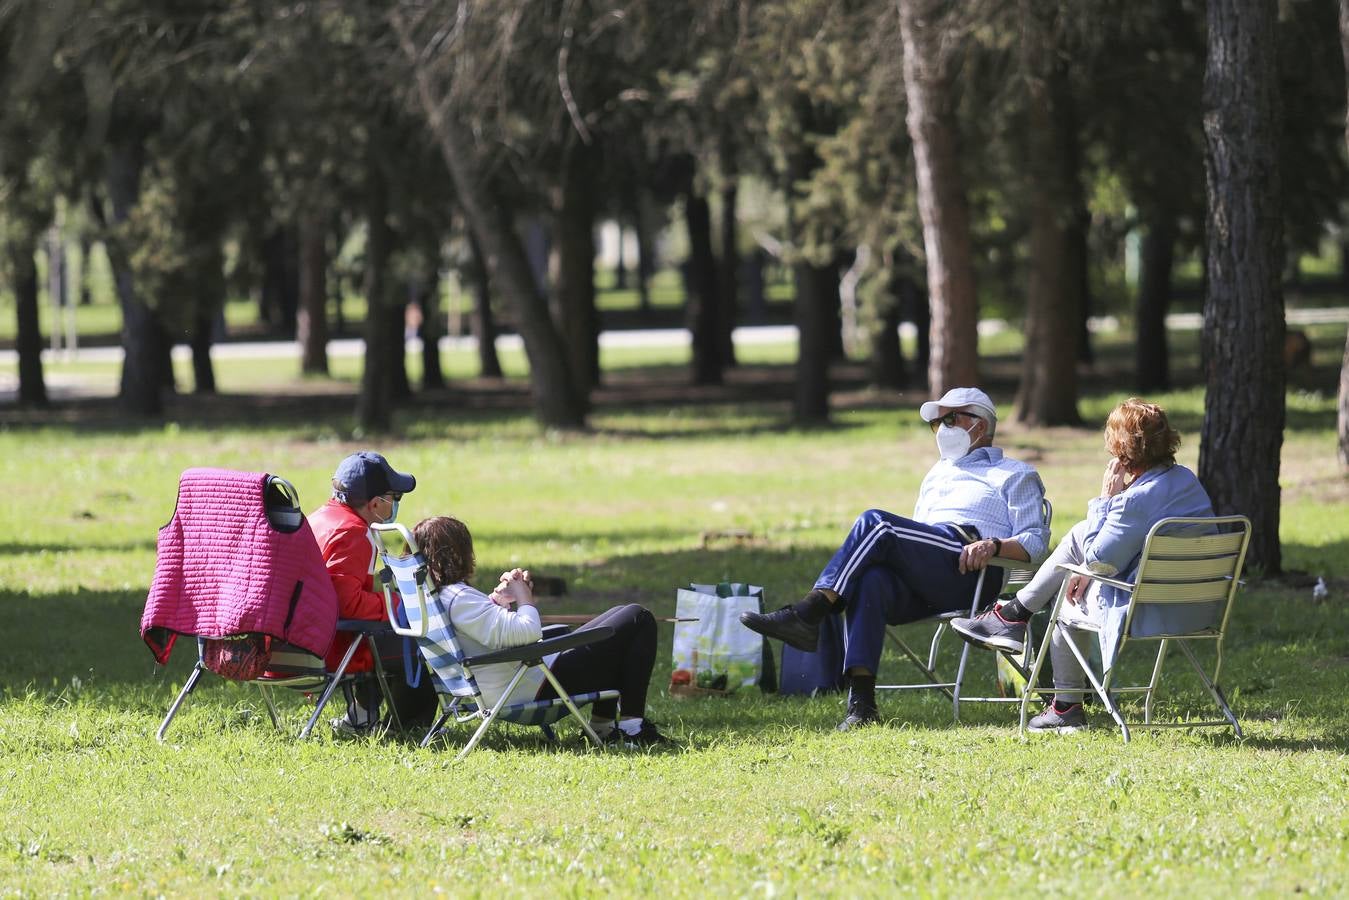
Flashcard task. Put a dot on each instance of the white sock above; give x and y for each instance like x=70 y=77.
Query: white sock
x=631 y=725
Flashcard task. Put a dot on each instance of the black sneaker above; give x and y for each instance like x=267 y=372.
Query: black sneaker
x=991 y=631
x=1063 y=720
x=647 y=736
x=785 y=625
x=860 y=715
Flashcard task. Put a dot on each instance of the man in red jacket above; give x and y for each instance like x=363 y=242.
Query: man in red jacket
x=366 y=489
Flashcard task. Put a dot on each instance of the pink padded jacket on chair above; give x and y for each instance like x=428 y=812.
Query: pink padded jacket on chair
x=224 y=569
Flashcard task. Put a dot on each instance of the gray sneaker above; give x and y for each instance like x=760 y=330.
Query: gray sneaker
x=991 y=631
x=1063 y=721
x=344 y=729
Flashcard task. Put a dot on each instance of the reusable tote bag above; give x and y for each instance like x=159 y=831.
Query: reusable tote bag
x=716 y=654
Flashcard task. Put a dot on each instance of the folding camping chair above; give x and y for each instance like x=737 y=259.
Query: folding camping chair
x=1188 y=573
x=1015 y=574
x=290 y=666
x=298 y=670
x=424 y=617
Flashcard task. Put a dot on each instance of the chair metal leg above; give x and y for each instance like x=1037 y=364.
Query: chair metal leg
x=935 y=646
x=926 y=668
x=571 y=707
x=1034 y=678
x=1213 y=689
x=1156 y=679
x=383 y=681
x=960 y=679
x=436 y=727
x=494 y=712
x=333 y=682
x=193 y=677
x=266 y=691
x=1101 y=687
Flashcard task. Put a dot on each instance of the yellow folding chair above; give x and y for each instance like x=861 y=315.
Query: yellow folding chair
x=1188 y=575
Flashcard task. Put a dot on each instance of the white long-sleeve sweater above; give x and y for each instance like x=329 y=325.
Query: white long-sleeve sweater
x=483 y=626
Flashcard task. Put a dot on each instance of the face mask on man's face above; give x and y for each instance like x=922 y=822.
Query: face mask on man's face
x=393 y=512
x=952 y=442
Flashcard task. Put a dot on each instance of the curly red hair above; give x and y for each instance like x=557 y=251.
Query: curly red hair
x=1139 y=435
x=447 y=545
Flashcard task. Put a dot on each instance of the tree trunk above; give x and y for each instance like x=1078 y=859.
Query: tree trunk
x=703 y=296
x=816 y=295
x=1152 y=358
x=28 y=338
x=887 y=356
x=1048 y=392
x=281 y=280
x=729 y=268
x=575 y=243
x=1079 y=258
x=374 y=406
x=558 y=402
x=312 y=317
x=142 y=350
x=484 y=323
x=208 y=275
x=431 y=330
x=1344 y=270
x=395 y=332
x=646 y=250
x=941 y=197
x=1243 y=334
x=203 y=372
x=86 y=248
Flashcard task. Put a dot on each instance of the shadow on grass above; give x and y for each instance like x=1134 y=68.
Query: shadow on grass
x=1281 y=650
x=8 y=548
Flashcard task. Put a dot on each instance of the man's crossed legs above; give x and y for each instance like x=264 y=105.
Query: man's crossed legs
x=889 y=571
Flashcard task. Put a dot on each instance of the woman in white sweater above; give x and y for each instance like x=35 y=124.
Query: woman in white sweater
x=508 y=617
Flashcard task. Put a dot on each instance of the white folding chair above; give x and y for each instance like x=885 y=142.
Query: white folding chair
x=1015 y=574
x=1188 y=575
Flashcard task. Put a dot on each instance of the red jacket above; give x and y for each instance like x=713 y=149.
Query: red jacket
x=349 y=553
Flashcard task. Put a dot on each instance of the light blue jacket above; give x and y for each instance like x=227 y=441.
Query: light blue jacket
x=1116 y=529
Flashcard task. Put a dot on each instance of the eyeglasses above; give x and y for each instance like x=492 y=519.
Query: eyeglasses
x=950 y=418
x=392 y=496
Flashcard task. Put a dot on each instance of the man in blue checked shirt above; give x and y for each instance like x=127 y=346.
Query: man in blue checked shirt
x=974 y=504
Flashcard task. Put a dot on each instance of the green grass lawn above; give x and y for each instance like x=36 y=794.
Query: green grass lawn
x=760 y=798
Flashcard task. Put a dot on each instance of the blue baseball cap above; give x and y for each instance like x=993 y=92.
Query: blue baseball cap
x=365 y=475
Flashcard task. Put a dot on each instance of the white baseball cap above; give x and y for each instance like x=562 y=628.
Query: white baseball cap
x=955 y=398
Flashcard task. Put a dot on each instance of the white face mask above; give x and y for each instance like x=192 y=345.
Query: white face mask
x=952 y=442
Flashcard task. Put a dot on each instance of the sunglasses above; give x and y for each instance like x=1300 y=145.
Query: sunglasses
x=950 y=418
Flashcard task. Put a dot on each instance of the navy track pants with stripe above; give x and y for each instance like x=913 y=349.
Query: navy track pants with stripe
x=892 y=570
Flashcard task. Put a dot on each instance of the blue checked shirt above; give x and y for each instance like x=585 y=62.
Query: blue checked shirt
x=1001 y=497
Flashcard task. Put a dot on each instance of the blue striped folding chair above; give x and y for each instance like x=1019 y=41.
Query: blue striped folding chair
x=422 y=616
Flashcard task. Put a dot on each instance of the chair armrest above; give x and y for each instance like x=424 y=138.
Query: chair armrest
x=364 y=626
x=540 y=649
x=1096 y=576
x=555 y=630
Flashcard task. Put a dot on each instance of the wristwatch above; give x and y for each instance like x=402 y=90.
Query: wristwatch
x=997 y=546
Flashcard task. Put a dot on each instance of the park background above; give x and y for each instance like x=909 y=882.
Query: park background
x=648 y=294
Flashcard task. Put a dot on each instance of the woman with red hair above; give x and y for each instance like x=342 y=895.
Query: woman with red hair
x=1142 y=485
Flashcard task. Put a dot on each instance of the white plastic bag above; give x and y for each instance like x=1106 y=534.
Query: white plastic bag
x=716 y=654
